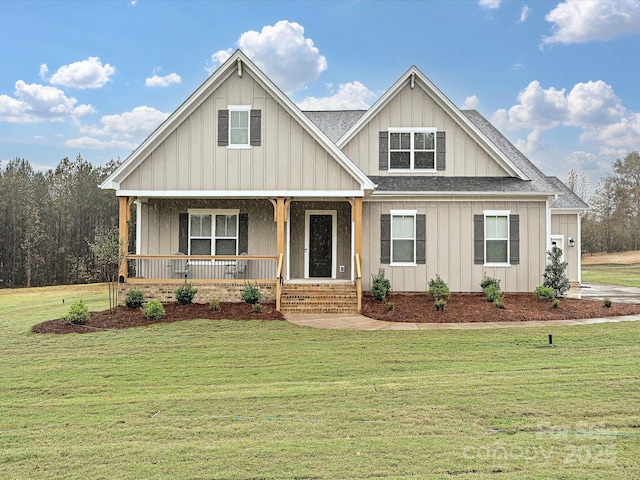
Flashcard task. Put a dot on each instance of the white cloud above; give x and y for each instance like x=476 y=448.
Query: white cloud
x=166 y=81
x=489 y=3
x=350 y=96
x=538 y=108
x=471 y=103
x=218 y=59
x=89 y=142
x=524 y=14
x=137 y=123
x=593 y=103
x=34 y=102
x=283 y=52
x=579 y=21
x=533 y=142
x=89 y=73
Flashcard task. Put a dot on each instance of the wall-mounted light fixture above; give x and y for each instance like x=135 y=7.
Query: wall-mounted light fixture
x=572 y=242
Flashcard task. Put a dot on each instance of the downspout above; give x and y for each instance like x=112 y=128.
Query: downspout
x=550 y=203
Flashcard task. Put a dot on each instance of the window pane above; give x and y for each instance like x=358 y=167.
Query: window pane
x=239 y=119
x=418 y=141
x=403 y=251
x=200 y=225
x=394 y=141
x=423 y=160
x=496 y=251
x=400 y=160
x=195 y=225
x=226 y=225
x=402 y=226
x=497 y=227
x=239 y=136
x=226 y=247
x=405 y=141
x=200 y=247
x=429 y=141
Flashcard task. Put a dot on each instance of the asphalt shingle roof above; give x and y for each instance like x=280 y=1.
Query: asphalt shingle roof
x=334 y=124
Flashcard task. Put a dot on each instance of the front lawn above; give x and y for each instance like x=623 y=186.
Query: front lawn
x=216 y=399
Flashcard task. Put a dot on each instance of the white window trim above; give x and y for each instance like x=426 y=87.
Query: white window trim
x=498 y=213
x=213 y=213
x=559 y=239
x=240 y=108
x=405 y=213
x=413 y=130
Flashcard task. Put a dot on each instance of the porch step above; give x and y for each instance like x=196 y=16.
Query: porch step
x=318 y=298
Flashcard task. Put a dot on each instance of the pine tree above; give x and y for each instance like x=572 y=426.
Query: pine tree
x=555 y=272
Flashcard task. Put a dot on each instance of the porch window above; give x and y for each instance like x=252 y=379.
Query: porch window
x=403 y=237
x=213 y=233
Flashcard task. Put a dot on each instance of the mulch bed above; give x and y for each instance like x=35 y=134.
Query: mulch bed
x=463 y=308
x=133 y=317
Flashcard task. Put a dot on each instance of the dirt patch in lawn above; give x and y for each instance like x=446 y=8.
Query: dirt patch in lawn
x=463 y=308
x=132 y=317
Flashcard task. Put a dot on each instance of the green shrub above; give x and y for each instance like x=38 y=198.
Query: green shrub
x=554 y=273
x=555 y=303
x=184 y=294
x=440 y=304
x=257 y=308
x=154 y=309
x=391 y=306
x=380 y=286
x=488 y=281
x=607 y=302
x=214 y=304
x=493 y=292
x=438 y=289
x=545 y=293
x=134 y=299
x=78 y=313
x=499 y=303
x=250 y=294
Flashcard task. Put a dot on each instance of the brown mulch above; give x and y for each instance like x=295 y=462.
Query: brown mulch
x=132 y=317
x=463 y=308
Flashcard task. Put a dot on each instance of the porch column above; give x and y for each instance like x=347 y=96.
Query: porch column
x=124 y=214
x=281 y=215
x=356 y=210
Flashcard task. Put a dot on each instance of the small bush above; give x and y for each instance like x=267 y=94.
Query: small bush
x=154 y=309
x=438 y=289
x=214 y=304
x=440 y=305
x=489 y=281
x=499 y=303
x=250 y=294
x=493 y=293
x=134 y=299
x=78 y=313
x=555 y=303
x=184 y=294
x=257 y=308
x=380 y=286
x=545 y=293
x=555 y=276
x=607 y=302
x=391 y=306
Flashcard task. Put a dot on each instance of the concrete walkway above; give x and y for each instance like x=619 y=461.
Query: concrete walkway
x=616 y=293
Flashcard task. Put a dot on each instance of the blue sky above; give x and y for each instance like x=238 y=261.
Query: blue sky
x=559 y=78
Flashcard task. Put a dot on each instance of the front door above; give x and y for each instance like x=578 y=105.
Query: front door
x=320 y=244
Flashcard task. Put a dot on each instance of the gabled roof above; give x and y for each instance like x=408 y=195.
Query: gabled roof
x=568 y=200
x=417 y=78
x=334 y=123
x=237 y=62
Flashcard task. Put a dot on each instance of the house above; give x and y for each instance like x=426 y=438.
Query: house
x=239 y=184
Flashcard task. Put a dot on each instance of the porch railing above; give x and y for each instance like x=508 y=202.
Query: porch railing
x=279 y=273
x=201 y=268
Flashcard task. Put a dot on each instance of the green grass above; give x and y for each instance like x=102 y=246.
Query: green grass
x=616 y=274
x=252 y=400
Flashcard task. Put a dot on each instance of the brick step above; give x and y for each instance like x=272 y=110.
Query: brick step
x=319 y=298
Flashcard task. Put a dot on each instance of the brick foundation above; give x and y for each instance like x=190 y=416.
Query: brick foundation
x=225 y=292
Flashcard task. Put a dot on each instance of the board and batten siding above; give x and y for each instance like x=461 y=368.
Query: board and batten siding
x=289 y=158
x=449 y=246
x=567 y=224
x=415 y=108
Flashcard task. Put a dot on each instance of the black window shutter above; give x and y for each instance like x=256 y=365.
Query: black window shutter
x=243 y=233
x=441 y=145
x=478 y=239
x=383 y=160
x=421 y=239
x=255 y=127
x=514 y=239
x=385 y=238
x=183 y=233
x=223 y=128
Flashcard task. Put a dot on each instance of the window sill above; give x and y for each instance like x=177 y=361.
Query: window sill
x=409 y=170
x=402 y=264
x=496 y=265
x=239 y=147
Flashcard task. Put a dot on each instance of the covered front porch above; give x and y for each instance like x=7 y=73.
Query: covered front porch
x=295 y=243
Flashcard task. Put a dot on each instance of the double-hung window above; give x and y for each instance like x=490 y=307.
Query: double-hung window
x=412 y=149
x=213 y=232
x=239 y=125
x=403 y=237
x=496 y=237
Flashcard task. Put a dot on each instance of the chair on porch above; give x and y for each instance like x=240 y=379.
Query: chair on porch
x=179 y=267
x=238 y=269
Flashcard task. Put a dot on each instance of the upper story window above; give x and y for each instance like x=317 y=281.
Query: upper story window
x=239 y=126
x=412 y=149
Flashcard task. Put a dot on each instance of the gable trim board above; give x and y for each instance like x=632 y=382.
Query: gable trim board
x=227 y=69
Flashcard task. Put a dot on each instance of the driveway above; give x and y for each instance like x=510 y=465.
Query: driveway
x=600 y=291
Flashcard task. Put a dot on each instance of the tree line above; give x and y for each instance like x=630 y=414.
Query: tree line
x=49 y=219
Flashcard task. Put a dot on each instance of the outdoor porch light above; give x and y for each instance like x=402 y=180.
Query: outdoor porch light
x=572 y=242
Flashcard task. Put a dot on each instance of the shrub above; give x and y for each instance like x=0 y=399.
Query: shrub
x=499 y=303
x=438 y=289
x=380 y=286
x=440 y=305
x=250 y=294
x=78 y=313
x=545 y=293
x=493 y=292
x=554 y=273
x=184 y=294
x=555 y=303
x=488 y=281
x=607 y=302
x=214 y=304
x=134 y=299
x=257 y=308
x=154 y=309
x=391 y=306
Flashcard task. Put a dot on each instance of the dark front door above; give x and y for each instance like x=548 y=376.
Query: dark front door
x=320 y=245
